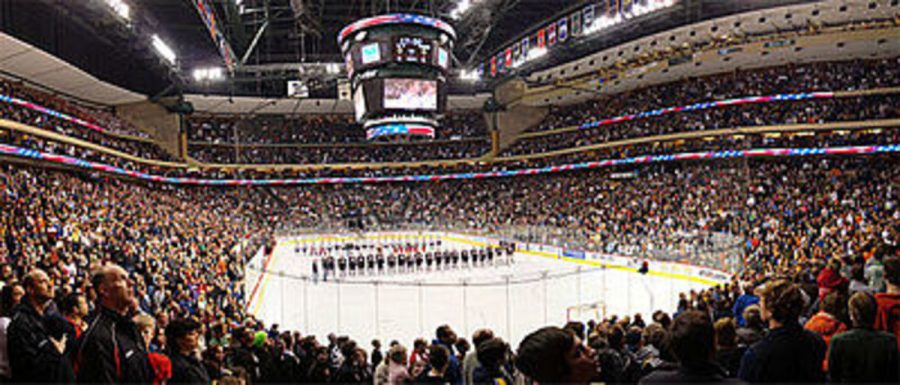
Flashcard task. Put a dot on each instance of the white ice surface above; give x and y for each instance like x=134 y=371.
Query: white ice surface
x=406 y=306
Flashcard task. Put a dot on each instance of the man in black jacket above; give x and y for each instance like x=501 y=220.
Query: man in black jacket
x=35 y=355
x=788 y=353
x=112 y=350
x=182 y=336
x=693 y=341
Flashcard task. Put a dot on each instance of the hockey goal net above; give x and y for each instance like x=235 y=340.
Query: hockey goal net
x=586 y=312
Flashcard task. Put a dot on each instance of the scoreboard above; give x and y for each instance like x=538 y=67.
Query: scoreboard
x=398 y=66
x=410 y=49
x=402 y=49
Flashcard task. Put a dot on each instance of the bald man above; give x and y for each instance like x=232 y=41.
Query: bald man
x=34 y=355
x=112 y=350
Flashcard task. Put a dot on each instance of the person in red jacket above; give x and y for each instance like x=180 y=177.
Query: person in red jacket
x=888 y=318
x=830 y=279
x=827 y=322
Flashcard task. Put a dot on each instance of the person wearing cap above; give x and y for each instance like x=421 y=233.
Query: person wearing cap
x=182 y=336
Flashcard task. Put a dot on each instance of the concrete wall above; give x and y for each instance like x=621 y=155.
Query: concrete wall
x=162 y=125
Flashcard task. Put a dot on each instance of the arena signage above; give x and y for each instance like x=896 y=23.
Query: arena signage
x=578 y=24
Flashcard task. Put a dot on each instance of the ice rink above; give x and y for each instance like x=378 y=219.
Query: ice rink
x=536 y=290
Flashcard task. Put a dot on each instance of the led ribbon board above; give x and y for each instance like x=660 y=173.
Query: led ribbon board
x=753 y=153
x=396 y=18
x=399 y=129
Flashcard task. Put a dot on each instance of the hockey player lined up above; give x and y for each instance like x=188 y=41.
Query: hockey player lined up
x=342 y=266
x=315 y=271
x=391 y=263
x=327 y=268
x=401 y=263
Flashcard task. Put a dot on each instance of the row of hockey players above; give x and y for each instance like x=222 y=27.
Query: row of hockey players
x=395 y=246
x=399 y=263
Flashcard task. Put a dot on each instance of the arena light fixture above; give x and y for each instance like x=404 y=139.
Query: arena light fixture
x=333 y=68
x=209 y=74
x=469 y=75
x=163 y=49
x=462 y=7
x=120 y=8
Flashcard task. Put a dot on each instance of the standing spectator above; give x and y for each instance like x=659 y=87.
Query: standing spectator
x=398 y=374
x=320 y=370
x=858 y=280
x=863 y=354
x=10 y=296
x=827 y=322
x=553 y=355
x=112 y=350
x=728 y=353
x=242 y=354
x=439 y=362
x=287 y=364
x=419 y=353
x=447 y=337
x=462 y=347
x=788 y=353
x=214 y=362
x=35 y=355
x=874 y=272
x=74 y=308
x=830 y=278
x=492 y=356
x=753 y=332
x=159 y=363
x=654 y=350
x=616 y=363
x=742 y=302
x=888 y=318
x=182 y=336
x=693 y=342
x=377 y=358
x=470 y=361
x=355 y=368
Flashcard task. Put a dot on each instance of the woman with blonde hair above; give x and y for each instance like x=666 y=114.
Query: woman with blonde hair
x=162 y=366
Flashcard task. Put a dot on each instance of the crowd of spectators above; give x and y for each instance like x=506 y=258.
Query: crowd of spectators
x=791 y=79
x=99 y=116
x=336 y=139
x=829 y=76
x=747 y=115
x=161 y=268
x=399 y=152
x=326 y=139
x=141 y=147
x=313 y=129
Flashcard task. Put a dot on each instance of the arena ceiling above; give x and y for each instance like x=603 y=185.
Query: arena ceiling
x=282 y=34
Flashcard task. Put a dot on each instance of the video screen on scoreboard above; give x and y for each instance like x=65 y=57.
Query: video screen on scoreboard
x=370 y=53
x=410 y=49
x=410 y=94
